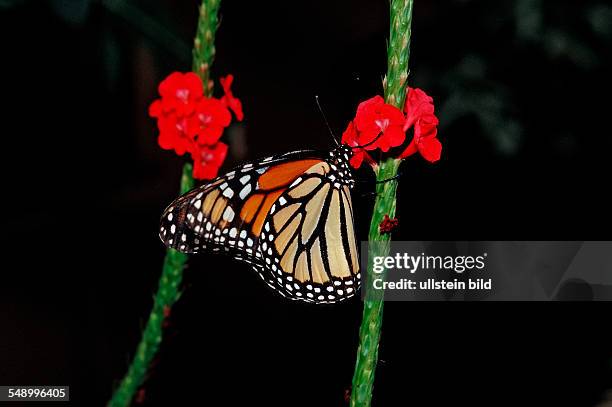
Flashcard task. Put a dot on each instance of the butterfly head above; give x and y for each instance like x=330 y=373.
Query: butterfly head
x=339 y=160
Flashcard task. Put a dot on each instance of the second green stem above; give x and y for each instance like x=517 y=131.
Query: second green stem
x=395 y=83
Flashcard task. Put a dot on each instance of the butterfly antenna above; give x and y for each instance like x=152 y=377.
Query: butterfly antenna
x=326 y=122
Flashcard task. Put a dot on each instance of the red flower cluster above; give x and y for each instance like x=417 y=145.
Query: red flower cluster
x=190 y=122
x=419 y=110
x=378 y=125
x=387 y=225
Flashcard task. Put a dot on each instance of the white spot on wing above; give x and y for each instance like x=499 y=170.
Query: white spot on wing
x=297 y=181
x=245 y=191
x=228 y=215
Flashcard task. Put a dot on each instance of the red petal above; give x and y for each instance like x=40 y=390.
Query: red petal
x=235 y=105
x=208 y=160
x=411 y=149
x=205 y=171
x=357 y=159
x=167 y=86
x=368 y=158
x=189 y=85
x=424 y=131
x=431 y=149
x=228 y=99
x=418 y=104
x=220 y=152
x=155 y=109
x=219 y=113
x=366 y=112
x=226 y=83
x=366 y=138
x=209 y=135
x=166 y=141
x=194 y=83
x=393 y=137
x=349 y=136
x=395 y=115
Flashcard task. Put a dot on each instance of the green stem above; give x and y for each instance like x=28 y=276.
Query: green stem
x=398 y=53
x=395 y=94
x=167 y=294
x=204 y=43
x=168 y=291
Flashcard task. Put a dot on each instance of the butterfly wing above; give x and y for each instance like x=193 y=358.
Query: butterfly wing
x=308 y=242
x=227 y=213
x=245 y=210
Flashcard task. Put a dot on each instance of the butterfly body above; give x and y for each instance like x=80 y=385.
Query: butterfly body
x=290 y=217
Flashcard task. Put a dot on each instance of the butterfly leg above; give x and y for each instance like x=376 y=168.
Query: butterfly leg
x=371 y=193
x=383 y=180
x=394 y=178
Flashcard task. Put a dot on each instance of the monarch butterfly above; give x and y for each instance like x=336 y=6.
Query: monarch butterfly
x=289 y=216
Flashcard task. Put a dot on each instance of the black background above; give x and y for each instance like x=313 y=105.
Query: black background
x=521 y=91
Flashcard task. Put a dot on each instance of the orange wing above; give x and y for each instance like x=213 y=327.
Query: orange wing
x=230 y=211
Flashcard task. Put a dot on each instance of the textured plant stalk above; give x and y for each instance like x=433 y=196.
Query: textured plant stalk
x=398 y=53
x=168 y=291
x=395 y=94
x=204 y=43
x=167 y=294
